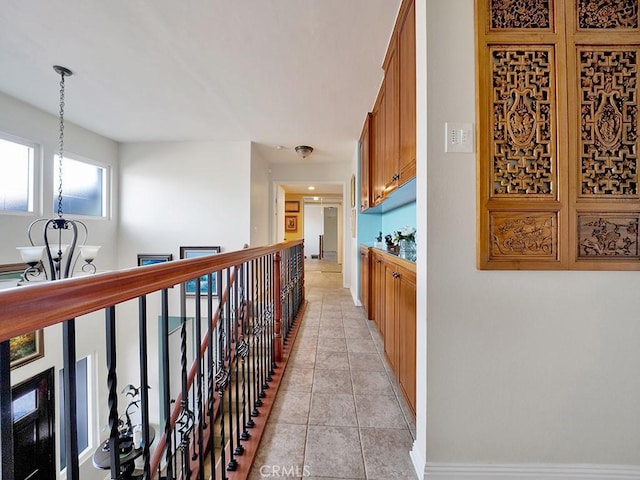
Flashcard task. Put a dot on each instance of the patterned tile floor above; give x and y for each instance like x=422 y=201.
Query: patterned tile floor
x=338 y=414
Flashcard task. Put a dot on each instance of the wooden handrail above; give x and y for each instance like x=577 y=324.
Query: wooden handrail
x=26 y=309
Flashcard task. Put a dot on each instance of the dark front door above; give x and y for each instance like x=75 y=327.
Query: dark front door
x=33 y=428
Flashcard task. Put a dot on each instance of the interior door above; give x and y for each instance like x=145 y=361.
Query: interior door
x=33 y=428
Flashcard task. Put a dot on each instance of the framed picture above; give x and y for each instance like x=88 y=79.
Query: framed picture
x=353 y=191
x=291 y=223
x=150 y=259
x=26 y=348
x=292 y=206
x=192 y=252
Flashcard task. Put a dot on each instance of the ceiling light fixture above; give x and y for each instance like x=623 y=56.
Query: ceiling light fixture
x=311 y=187
x=304 y=150
x=60 y=235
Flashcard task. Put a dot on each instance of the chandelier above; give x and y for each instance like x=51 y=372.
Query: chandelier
x=63 y=240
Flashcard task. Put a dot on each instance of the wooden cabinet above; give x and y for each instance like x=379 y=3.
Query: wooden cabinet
x=393 y=309
x=390 y=159
x=377 y=291
x=392 y=127
x=376 y=169
x=365 y=280
x=407 y=95
x=365 y=162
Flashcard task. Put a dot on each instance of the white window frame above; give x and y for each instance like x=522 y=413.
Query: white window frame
x=36 y=177
x=106 y=186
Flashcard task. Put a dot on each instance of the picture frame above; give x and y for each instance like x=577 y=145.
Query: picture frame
x=353 y=191
x=292 y=206
x=291 y=223
x=26 y=348
x=150 y=259
x=190 y=285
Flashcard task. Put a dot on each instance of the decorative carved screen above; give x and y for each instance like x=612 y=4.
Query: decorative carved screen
x=558 y=134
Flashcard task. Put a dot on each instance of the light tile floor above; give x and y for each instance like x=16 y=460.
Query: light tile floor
x=338 y=414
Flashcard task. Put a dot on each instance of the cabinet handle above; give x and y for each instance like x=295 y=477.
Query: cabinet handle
x=396 y=177
x=378 y=261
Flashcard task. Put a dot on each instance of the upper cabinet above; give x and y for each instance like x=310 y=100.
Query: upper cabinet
x=390 y=160
x=365 y=149
x=407 y=95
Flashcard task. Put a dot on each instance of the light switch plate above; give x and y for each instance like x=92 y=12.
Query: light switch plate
x=459 y=138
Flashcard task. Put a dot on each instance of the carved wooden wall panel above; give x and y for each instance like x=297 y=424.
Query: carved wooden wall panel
x=524 y=234
x=609 y=121
x=608 y=235
x=558 y=134
x=607 y=14
x=523 y=116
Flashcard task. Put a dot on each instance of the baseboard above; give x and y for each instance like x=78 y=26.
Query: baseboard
x=450 y=471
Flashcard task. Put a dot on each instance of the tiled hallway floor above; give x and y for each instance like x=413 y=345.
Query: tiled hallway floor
x=337 y=413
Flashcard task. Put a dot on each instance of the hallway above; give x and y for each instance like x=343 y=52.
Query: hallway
x=337 y=414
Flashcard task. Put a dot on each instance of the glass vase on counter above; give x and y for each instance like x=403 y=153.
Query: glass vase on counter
x=407 y=249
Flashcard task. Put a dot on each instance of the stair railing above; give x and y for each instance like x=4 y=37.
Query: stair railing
x=238 y=323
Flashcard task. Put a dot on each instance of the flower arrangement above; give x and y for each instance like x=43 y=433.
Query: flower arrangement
x=407 y=233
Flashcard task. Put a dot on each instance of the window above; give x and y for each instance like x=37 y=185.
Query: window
x=82 y=409
x=84 y=188
x=17 y=179
x=559 y=134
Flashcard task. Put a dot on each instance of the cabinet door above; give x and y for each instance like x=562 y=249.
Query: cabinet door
x=365 y=162
x=407 y=97
x=391 y=316
x=407 y=335
x=365 y=280
x=392 y=125
x=378 y=145
x=377 y=291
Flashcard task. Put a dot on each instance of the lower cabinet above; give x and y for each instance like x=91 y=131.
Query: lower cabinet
x=365 y=281
x=393 y=309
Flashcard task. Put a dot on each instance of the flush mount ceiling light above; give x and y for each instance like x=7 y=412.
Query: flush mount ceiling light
x=304 y=150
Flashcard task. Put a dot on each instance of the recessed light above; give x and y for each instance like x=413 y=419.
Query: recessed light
x=279 y=147
x=312 y=187
x=316 y=198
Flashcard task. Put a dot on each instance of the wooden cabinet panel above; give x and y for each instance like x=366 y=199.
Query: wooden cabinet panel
x=391 y=316
x=377 y=291
x=393 y=283
x=379 y=147
x=365 y=162
x=365 y=280
x=407 y=335
x=391 y=159
x=407 y=95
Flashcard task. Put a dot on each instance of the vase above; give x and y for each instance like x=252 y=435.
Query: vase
x=407 y=249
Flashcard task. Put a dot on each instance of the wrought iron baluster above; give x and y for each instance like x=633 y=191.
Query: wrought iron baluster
x=112 y=384
x=144 y=384
x=197 y=452
x=165 y=383
x=244 y=350
x=233 y=464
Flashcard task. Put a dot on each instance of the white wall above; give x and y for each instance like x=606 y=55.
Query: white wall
x=22 y=120
x=523 y=367
x=178 y=194
x=259 y=199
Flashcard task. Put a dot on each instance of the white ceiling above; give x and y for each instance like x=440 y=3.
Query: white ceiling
x=275 y=72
